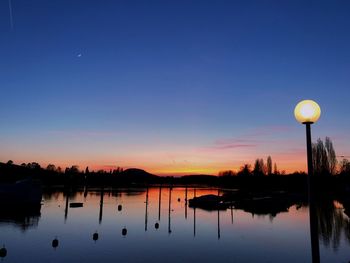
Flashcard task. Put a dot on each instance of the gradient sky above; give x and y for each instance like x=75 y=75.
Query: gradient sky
x=173 y=87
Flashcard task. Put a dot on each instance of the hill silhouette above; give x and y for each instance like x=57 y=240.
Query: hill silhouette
x=135 y=174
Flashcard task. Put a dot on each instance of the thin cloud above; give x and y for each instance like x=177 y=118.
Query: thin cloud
x=229 y=144
x=233 y=146
x=251 y=139
x=80 y=133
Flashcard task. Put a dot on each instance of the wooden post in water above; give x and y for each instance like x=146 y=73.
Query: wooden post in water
x=186 y=202
x=169 y=219
x=159 y=202
x=194 y=214
x=67 y=202
x=101 y=205
x=218 y=215
x=146 y=212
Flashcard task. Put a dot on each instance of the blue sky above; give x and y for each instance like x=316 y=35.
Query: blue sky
x=155 y=84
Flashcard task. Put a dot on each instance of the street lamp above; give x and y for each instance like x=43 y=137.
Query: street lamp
x=308 y=112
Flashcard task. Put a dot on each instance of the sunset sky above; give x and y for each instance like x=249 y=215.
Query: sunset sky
x=172 y=87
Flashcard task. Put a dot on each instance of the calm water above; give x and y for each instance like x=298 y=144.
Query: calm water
x=184 y=234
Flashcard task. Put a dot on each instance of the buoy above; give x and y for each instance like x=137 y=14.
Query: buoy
x=3 y=252
x=178 y=199
x=156 y=225
x=120 y=207
x=95 y=236
x=55 y=243
x=124 y=231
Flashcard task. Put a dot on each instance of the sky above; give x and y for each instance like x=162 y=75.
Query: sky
x=172 y=87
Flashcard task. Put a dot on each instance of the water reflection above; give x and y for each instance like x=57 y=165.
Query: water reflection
x=270 y=204
x=333 y=223
x=24 y=217
x=216 y=232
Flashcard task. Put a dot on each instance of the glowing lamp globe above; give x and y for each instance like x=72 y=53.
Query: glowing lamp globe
x=307 y=111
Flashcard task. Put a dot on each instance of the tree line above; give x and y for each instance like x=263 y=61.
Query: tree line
x=74 y=169
x=324 y=161
x=260 y=168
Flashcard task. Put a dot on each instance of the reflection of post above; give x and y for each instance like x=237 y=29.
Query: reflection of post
x=159 y=202
x=146 y=212
x=315 y=249
x=66 y=209
x=231 y=213
x=314 y=233
x=186 y=202
x=169 y=223
x=194 y=214
x=101 y=205
x=218 y=223
x=85 y=191
x=218 y=215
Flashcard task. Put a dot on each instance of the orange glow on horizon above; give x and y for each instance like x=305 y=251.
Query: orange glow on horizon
x=178 y=162
x=284 y=164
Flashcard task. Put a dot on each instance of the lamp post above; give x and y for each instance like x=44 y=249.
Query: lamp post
x=308 y=112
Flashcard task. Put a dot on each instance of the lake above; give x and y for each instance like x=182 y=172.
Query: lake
x=160 y=227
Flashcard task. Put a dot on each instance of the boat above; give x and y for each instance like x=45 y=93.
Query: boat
x=208 y=202
x=26 y=192
x=75 y=205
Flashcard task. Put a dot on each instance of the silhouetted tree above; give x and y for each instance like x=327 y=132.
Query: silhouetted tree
x=324 y=158
x=73 y=170
x=275 y=170
x=259 y=167
x=51 y=168
x=9 y=162
x=269 y=165
x=33 y=165
x=245 y=170
x=227 y=173
x=117 y=171
x=344 y=167
x=332 y=159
